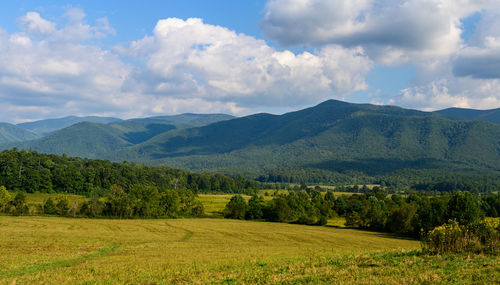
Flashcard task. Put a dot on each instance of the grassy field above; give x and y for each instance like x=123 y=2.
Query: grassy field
x=46 y=250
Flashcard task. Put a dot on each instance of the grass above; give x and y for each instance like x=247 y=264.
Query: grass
x=40 y=198
x=213 y=204
x=40 y=250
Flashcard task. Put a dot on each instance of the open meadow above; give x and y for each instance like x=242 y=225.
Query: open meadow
x=50 y=250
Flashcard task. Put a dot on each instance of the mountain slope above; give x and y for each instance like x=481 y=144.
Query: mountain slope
x=83 y=139
x=11 y=133
x=492 y=115
x=95 y=140
x=188 y=119
x=45 y=127
x=333 y=135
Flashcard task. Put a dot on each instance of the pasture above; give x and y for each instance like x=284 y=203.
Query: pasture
x=40 y=250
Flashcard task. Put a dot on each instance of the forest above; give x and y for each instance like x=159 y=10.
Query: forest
x=30 y=171
x=373 y=210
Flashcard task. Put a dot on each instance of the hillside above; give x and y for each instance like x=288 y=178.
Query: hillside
x=11 y=133
x=492 y=115
x=333 y=137
x=188 y=119
x=44 y=127
x=97 y=140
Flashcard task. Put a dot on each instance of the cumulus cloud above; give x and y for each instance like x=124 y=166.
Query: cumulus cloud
x=33 y=23
x=183 y=66
x=425 y=34
x=391 y=31
x=481 y=58
x=191 y=59
x=43 y=73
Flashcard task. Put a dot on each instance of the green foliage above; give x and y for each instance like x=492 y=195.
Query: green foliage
x=235 y=208
x=4 y=198
x=334 y=142
x=49 y=207
x=19 y=204
x=11 y=133
x=31 y=172
x=256 y=208
x=92 y=208
x=480 y=237
x=464 y=208
x=63 y=206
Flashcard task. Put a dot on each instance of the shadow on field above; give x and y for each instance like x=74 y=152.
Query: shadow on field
x=379 y=234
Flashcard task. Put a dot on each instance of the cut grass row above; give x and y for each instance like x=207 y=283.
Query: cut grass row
x=50 y=250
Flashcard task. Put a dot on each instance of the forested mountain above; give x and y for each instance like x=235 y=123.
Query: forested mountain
x=11 y=133
x=44 y=127
x=492 y=115
x=96 y=140
x=188 y=119
x=332 y=138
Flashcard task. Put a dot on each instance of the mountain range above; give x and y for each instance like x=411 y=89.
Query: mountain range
x=333 y=136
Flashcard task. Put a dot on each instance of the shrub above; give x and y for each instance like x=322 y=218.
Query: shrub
x=481 y=237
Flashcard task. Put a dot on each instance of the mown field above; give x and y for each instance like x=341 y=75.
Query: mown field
x=50 y=250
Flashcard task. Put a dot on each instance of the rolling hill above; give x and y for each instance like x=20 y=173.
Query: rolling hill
x=492 y=115
x=333 y=136
x=44 y=127
x=11 y=133
x=97 y=140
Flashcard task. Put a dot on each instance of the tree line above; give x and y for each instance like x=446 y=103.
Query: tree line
x=436 y=180
x=374 y=210
x=139 y=202
x=29 y=171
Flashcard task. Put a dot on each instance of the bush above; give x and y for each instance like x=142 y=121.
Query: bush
x=481 y=237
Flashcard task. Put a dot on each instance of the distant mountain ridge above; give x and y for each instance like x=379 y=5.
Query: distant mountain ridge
x=95 y=140
x=333 y=136
x=492 y=115
x=10 y=133
x=44 y=127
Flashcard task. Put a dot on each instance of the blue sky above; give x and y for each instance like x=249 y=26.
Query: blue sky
x=141 y=58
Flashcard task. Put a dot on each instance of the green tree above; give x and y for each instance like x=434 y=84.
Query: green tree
x=146 y=200
x=256 y=206
x=63 y=208
x=49 y=207
x=170 y=202
x=19 y=203
x=119 y=204
x=4 y=198
x=279 y=211
x=235 y=208
x=464 y=208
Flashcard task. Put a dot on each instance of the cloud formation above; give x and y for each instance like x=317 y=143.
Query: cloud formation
x=184 y=66
x=425 y=34
x=191 y=59
x=58 y=67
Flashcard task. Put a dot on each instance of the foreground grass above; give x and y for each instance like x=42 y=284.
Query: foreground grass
x=186 y=251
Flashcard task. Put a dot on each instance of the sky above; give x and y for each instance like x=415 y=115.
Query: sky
x=146 y=58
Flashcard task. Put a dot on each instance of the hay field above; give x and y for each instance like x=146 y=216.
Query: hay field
x=50 y=250
x=66 y=250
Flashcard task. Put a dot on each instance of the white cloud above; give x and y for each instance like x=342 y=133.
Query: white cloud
x=33 y=23
x=427 y=34
x=391 y=31
x=184 y=66
x=189 y=59
x=41 y=71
